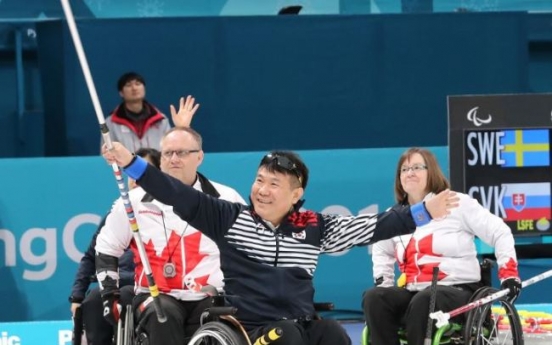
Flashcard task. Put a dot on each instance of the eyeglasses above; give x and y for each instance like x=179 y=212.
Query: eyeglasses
x=415 y=168
x=179 y=153
x=284 y=163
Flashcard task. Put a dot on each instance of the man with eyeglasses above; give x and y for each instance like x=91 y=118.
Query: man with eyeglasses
x=184 y=262
x=270 y=249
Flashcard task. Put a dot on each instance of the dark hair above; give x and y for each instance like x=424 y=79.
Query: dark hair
x=436 y=180
x=288 y=163
x=151 y=153
x=189 y=130
x=129 y=76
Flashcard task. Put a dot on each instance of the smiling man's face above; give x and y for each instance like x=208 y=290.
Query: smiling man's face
x=273 y=194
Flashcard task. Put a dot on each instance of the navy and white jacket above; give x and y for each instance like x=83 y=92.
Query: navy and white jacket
x=268 y=273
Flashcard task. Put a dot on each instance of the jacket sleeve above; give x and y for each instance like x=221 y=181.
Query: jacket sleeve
x=492 y=230
x=113 y=239
x=115 y=236
x=383 y=258
x=344 y=232
x=126 y=268
x=107 y=271
x=86 y=270
x=211 y=215
x=166 y=124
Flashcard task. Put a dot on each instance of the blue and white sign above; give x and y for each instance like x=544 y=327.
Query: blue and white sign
x=32 y=333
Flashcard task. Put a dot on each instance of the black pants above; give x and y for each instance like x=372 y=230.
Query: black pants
x=182 y=319
x=316 y=332
x=98 y=331
x=387 y=309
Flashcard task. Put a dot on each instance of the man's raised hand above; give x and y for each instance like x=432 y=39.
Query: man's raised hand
x=440 y=205
x=186 y=111
x=117 y=154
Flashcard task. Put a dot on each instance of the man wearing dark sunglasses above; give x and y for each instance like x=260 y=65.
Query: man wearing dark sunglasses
x=270 y=249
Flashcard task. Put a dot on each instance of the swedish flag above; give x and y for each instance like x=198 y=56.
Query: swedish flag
x=526 y=148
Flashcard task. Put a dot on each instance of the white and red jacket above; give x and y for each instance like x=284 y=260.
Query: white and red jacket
x=449 y=244
x=147 y=132
x=165 y=235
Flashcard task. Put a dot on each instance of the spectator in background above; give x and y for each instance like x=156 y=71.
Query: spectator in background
x=137 y=123
x=447 y=243
x=98 y=330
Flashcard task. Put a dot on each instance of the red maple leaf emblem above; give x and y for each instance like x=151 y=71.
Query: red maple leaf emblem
x=421 y=272
x=192 y=256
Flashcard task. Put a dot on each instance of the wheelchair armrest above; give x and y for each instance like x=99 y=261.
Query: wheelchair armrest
x=488 y=263
x=324 y=306
x=218 y=311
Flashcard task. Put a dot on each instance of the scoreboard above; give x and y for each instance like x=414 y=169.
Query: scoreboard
x=499 y=153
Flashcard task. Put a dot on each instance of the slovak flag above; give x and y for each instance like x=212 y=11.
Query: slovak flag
x=526 y=201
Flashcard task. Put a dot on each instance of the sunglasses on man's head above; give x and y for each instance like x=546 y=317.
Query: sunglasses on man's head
x=283 y=162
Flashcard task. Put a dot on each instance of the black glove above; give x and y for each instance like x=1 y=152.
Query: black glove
x=514 y=284
x=111 y=308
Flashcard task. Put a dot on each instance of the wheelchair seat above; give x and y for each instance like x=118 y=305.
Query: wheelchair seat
x=220 y=327
x=481 y=325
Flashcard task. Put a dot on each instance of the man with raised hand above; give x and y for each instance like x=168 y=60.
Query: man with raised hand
x=270 y=249
x=182 y=259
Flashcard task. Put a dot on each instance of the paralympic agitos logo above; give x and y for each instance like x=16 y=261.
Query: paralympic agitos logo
x=472 y=116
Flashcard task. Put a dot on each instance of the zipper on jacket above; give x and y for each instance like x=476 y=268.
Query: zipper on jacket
x=277 y=234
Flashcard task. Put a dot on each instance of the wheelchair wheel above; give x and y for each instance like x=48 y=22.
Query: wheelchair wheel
x=474 y=314
x=365 y=336
x=495 y=323
x=125 y=328
x=217 y=333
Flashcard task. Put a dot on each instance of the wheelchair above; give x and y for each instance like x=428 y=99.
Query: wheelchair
x=123 y=335
x=220 y=327
x=484 y=325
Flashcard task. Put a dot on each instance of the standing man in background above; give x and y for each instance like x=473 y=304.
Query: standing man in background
x=137 y=123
